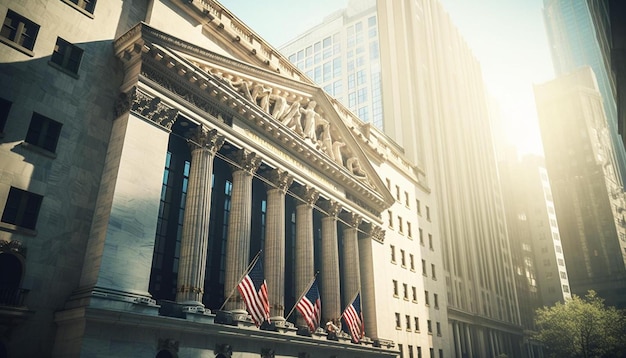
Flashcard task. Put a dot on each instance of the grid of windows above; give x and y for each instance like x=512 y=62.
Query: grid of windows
x=22 y=208
x=66 y=55
x=19 y=30
x=43 y=132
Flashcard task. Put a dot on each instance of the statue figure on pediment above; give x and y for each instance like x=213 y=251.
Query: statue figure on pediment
x=327 y=141
x=242 y=86
x=309 y=120
x=261 y=96
x=337 y=157
x=355 y=168
x=291 y=118
x=280 y=106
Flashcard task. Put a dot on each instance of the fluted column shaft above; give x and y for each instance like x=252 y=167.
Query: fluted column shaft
x=304 y=246
x=331 y=298
x=279 y=182
x=350 y=273
x=195 y=235
x=239 y=225
x=368 y=290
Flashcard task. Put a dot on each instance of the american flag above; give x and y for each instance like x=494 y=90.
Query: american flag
x=253 y=289
x=310 y=306
x=354 y=320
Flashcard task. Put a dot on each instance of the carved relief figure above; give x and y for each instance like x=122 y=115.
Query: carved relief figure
x=337 y=157
x=309 y=120
x=261 y=96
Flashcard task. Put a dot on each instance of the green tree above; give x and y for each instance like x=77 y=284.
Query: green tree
x=582 y=327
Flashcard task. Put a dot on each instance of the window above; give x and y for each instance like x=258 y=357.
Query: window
x=424 y=268
x=410 y=351
x=430 y=242
x=416 y=321
x=566 y=288
x=397 y=193
x=561 y=262
x=432 y=270
x=409 y=232
x=426 y=300
x=427 y=213
x=414 y=291
x=43 y=132
x=408 y=322
x=419 y=352
x=405 y=291
x=393 y=253
x=66 y=55
x=19 y=30
x=421 y=232
x=22 y=208
x=406 y=198
x=400 y=225
x=418 y=205
x=395 y=288
x=398 y=325
x=5 y=108
x=401 y=350
x=563 y=275
x=429 y=324
x=87 y=5
x=436 y=300
x=439 y=329
x=390 y=218
x=402 y=258
x=412 y=262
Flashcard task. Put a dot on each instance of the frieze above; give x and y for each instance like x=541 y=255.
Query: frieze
x=151 y=108
x=177 y=88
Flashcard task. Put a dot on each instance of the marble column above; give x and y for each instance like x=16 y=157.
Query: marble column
x=239 y=225
x=366 y=247
x=279 y=182
x=195 y=236
x=350 y=271
x=331 y=297
x=304 y=246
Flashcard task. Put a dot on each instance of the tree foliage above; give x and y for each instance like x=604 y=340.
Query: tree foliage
x=582 y=327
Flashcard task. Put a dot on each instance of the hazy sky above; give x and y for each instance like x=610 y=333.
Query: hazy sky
x=507 y=37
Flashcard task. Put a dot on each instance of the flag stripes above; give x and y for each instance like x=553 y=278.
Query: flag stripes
x=253 y=290
x=354 y=320
x=310 y=306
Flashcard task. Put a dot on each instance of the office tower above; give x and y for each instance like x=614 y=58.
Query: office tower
x=587 y=192
x=536 y=248
x=610 y=32
x=434 y=108
x=573 y=44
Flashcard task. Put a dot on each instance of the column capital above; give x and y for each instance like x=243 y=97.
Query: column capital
x=278 y=179
x=203 y=138
x=151 y=108
x=351 y=219
x=331 y=207
x=308 y=194
x=375 y=232
x=246 y=161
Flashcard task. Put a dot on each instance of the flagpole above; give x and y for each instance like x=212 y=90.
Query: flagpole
x=250 y=266
x=302 y=295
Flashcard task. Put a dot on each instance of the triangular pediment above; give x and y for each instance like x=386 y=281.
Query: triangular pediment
x=293 y=118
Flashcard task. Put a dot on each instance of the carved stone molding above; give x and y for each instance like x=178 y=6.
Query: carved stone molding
x=148 y=107
x=245 y=160
x=279 y=179
x=13 y=246
x=351 y=219
x=375 y=232
x=204 y=138
x=331 y=207
x=308 y=194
